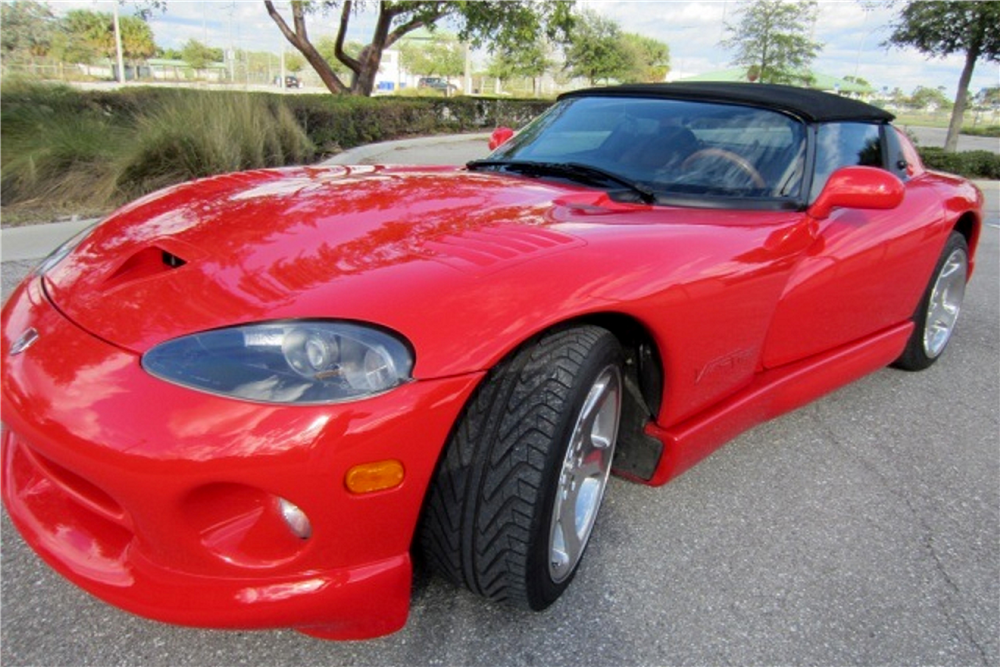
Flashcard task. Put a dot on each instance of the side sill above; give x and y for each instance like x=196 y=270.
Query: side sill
x=771 y=394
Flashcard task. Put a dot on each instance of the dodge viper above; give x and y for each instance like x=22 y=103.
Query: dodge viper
x=249 y=401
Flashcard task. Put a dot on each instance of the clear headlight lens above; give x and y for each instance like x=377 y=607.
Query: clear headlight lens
x=300 y=362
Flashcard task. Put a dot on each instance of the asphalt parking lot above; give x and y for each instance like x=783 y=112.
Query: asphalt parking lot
x=862 y=529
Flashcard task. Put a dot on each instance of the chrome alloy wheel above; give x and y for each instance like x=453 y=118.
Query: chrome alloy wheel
x=945 y=303
x=584 y=473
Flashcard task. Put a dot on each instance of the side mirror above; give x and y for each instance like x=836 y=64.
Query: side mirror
x=500 y=136
x=858 y=187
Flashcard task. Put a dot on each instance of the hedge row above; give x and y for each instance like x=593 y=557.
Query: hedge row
x=970 y=164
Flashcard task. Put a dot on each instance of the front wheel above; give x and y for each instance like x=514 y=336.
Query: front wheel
x=936 y=316
x=516 y=495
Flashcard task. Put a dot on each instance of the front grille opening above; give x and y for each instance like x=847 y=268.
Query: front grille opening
x=84 y=492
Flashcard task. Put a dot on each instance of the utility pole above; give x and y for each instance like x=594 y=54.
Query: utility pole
x=118 y=46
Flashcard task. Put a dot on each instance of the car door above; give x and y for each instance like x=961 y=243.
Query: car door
x=866 y=269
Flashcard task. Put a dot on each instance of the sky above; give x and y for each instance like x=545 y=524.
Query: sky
x=851 y=36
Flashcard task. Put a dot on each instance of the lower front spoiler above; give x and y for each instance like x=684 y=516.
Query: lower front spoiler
x=356 y=603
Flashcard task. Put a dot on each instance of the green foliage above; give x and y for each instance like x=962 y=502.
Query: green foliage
x=529 y=60
x=987 y=131
x=294 y=62
x=55 y=149
x=504 y=24
x=649 y=59
x=970 y=164
x=327 y=47
x=28 y=29
x=924 y=97
x=596 y=49
x=75 y=151
x=193 y=134
x=773 y=38
x=198 y=55
x=88 y=34
x=940 y=28
x=989 y=97
x=442 y=55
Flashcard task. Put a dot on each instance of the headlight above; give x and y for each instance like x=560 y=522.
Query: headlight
x=59 y=254
x=302 y=362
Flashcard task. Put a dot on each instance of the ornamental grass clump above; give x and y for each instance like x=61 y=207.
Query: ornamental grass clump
x=193 y=134
x=55 y=153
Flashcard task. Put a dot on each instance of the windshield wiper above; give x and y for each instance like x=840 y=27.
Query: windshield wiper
x=573 y=170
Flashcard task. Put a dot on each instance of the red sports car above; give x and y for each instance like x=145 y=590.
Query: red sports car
x=247 y=401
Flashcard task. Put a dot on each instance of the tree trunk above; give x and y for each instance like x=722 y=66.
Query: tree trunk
x=371 y=55
x=300 y=40
x=958 y=112
x=364 y=80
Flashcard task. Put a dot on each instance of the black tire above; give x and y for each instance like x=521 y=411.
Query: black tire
x=930 y=337
x=488 y=520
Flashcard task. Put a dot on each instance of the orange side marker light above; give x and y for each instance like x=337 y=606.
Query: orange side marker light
x=377 y=476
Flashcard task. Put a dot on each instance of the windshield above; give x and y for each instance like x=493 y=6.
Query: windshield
x=670 y=147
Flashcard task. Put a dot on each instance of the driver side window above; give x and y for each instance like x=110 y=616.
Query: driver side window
x=845 y=145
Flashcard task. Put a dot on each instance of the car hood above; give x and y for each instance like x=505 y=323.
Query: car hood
x=436 y=254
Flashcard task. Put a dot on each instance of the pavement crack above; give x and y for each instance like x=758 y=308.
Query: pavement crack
x=952 y=609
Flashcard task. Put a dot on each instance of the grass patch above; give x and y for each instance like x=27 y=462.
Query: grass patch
x=68 y=151
x=193 y=135
x=55 y=151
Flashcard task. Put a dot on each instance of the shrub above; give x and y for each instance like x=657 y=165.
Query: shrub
x=190 y=136
x=970 y=164
x=985 y=131
x=54 y=151
x=87 y=151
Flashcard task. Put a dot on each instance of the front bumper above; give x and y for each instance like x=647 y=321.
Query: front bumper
x=163 y=501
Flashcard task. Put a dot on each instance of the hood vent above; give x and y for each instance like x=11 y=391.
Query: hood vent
x=145 y=263
x=485 y=248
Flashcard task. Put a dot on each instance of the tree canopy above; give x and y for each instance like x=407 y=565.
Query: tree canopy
x=937 y=29
x=648 y=59
x=924 y=97
x=529 y=60
x=28 y=29
x=596 y=49
x=772 y=38
x=441 y=55
x=90 y=34
x=198 y=55
x=506 y=23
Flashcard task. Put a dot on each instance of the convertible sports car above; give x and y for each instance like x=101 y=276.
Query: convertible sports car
x=246 y=401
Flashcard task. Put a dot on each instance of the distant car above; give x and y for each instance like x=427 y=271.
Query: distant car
x=247 y=400
x=290 y=81
x=437 y=83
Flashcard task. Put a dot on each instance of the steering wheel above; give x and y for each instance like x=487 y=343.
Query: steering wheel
x=740 y=162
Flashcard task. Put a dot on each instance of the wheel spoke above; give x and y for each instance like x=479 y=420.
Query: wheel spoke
x=584 y=473
x=945 y=303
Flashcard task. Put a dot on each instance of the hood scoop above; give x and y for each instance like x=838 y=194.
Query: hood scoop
x=146 y=263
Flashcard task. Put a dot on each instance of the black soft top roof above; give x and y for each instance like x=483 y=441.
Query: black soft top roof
x=808 y=104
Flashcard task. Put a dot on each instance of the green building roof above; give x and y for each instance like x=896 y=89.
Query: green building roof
x=816 y=80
